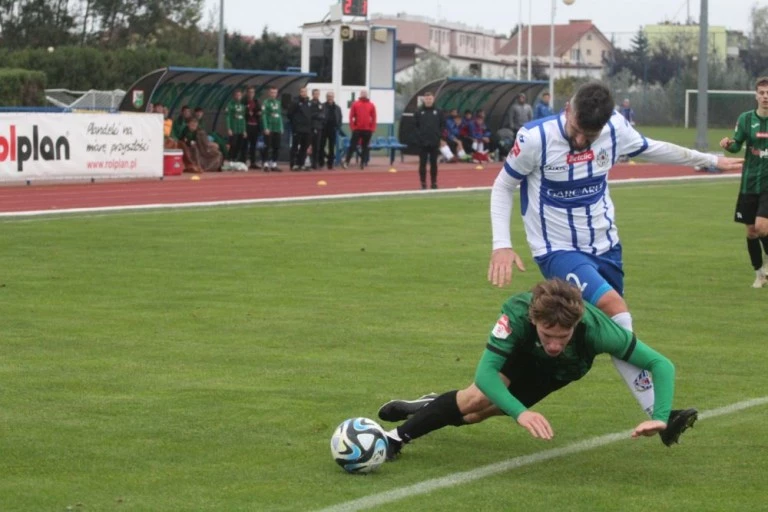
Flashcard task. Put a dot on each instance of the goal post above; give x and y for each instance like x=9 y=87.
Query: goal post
x=724 y=106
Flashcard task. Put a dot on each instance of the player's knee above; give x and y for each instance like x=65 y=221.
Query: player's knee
x=761 y=228
x=751 y=231
x=472 y=401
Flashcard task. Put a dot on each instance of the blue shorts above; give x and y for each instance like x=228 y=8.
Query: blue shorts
x=594 y=275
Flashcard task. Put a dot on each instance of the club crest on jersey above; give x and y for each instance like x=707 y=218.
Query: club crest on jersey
x=502 y=330
x=643 y=381
x=516 y=148
x=579 y=158
x=602 y=159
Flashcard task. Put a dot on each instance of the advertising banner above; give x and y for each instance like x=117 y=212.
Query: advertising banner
x=80 y=146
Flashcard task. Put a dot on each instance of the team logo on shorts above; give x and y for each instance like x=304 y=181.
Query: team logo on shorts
x=502 y=330
x=643 y=381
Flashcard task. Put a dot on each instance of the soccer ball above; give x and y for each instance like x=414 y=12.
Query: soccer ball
x=359 y=445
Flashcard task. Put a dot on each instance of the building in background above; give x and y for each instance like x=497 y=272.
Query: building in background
x=580 y=48
x=471 y=50
x=684 y=39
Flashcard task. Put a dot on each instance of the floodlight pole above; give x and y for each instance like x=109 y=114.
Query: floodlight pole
x=552 y=56
x=530 y=52
x=221 y=34
x=701 y=104
x=519 y=36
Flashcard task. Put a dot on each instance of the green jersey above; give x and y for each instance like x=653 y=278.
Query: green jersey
x=515 y=336
x=752 y=130
x=272 y=115
x=236 y=117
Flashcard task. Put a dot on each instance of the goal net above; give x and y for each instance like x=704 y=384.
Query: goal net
x=85 y=100
x=723 y=107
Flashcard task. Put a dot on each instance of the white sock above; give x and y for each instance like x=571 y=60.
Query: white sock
x=638 y=381
x=462 y=154
x=446 y=152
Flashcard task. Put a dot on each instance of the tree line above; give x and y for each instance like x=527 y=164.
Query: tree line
x=108 y=44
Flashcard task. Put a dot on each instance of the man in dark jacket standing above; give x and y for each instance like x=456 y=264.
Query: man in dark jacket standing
x=317 y=110
x=252 y=124
x=331 y=127
x=301 y=123
x=429 y=128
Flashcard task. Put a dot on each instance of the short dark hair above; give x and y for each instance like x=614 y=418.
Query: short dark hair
x=272 y=87
x=198 y=109
x=429 y=93
x=556 y=302
x=593 y=105
x=185 y=107
x=762 y=81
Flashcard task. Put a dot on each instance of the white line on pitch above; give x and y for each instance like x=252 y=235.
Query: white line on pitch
x=375 y=500
x=244 y=202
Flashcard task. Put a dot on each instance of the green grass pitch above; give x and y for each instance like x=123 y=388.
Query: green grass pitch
x=200 y=360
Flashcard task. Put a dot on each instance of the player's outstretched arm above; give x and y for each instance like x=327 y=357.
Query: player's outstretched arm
x=668 y=153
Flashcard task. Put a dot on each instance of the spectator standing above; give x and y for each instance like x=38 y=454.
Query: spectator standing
x=627 y=112
x=333 y=121
x=252 y=125
x=543 y=108
x=429 y=129
x=236 y=127
x=317 y=110
x=362 y=122
x=272 y=128
x=301 y=123
x=520 y=113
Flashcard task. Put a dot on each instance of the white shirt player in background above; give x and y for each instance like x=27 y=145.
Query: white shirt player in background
x=561 y=164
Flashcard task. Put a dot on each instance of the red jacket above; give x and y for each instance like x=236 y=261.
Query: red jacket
x=362 y=115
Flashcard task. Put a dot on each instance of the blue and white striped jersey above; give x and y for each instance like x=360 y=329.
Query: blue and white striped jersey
x=565 y=201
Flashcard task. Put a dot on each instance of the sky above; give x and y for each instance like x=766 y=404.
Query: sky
x=621 y=18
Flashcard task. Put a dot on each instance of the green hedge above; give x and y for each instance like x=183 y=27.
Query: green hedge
x=21 y=88
x=82 y=68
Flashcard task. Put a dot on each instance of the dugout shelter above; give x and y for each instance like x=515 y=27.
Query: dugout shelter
x=493 y=96
x=210 y=89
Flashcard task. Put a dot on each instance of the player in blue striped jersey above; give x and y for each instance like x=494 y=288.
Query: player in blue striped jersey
x=561 y=164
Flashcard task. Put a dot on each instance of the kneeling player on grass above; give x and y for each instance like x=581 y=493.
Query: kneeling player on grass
x=543 y=340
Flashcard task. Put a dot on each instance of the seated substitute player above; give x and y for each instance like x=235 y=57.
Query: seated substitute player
x=543 y=340
x=561 y=164
x=752 y=204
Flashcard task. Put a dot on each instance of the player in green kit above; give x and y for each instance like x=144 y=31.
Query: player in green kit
x=752 y=205
x=236 y=129
x=542 y=341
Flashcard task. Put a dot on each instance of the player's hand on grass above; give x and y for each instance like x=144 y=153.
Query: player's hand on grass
x=500 y=270
x=725 y=142
x=536 y=424
x=648 y=428
x=725 y=163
